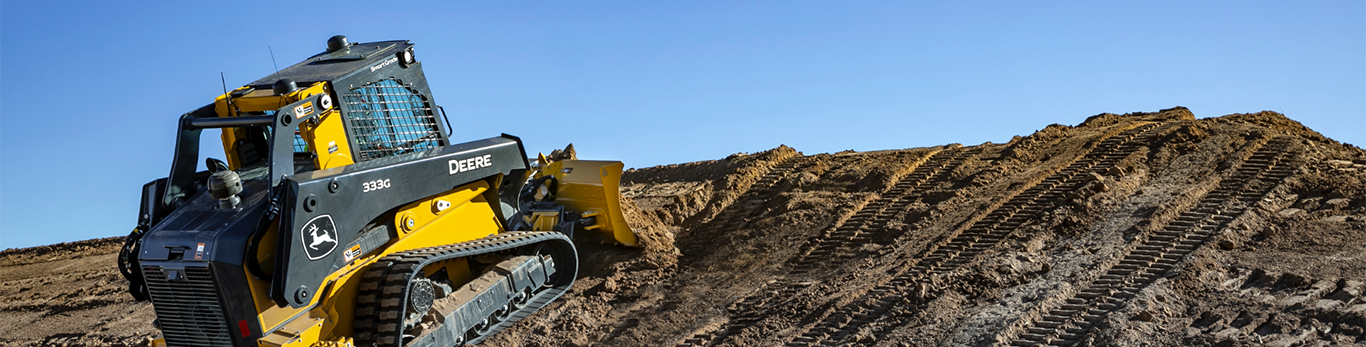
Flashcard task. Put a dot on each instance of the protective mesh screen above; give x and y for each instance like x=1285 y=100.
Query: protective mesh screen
x=387 y=118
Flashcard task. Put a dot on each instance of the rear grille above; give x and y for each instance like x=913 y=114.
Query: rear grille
x=187 y=309
x=388 y=118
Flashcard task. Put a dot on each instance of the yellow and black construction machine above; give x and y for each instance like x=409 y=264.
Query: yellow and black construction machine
x=344 y=215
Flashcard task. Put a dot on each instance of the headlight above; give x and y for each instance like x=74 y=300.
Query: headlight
x=406 y=57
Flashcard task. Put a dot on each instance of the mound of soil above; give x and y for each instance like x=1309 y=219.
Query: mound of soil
x=1135 y=229
x=69 y=294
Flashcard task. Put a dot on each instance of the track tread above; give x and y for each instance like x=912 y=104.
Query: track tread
x=929 y=169
x=379 y=315
x=1139 y=268
x=753 y=200
x=984 y=234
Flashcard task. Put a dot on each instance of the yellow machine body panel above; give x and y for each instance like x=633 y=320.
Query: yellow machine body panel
x=324 y=136
x=463 y=214
x=591 y=187
x=459 y=215
x=327 y=138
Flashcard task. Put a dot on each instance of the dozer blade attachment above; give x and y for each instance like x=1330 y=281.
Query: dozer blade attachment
x=591 y=186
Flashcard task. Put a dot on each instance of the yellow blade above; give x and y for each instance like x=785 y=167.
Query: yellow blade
x=590 y=188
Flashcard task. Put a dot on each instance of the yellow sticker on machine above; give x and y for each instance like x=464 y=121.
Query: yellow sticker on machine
x=303 y=110
x=351 y=254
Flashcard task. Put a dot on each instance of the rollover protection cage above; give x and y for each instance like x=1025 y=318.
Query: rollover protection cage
x=388 y=118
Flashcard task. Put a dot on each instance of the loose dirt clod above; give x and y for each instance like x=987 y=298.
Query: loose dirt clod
x=1227 y=245
x=1134 y=229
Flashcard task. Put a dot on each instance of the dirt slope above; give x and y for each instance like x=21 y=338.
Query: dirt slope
x=1136 y=229
x=69 y=294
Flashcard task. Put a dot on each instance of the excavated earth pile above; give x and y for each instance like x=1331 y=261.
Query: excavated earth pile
x=1134 y=229
x=69 y=294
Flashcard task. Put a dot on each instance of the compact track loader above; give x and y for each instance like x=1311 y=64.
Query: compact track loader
x=344 y=215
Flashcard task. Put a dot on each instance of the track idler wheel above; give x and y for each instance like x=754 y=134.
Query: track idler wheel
x=564 y=258
x=421 y=295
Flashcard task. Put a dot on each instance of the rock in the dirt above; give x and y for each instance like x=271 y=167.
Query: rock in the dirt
x=1146 y=316
x=609 y=285
x=1115 y=172
x=1337 y=204
x=1227 y=245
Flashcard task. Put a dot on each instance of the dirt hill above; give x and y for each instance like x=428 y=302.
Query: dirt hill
x=1135 y=229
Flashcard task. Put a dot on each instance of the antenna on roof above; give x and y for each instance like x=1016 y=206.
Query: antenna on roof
x=272 y=61
x=227 y=97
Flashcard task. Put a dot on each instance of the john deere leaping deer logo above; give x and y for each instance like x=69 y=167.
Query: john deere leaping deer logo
x=319 y=237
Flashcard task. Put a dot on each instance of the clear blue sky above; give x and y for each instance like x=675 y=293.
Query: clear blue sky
x=90 y=91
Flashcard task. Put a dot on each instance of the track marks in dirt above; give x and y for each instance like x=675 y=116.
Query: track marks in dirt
x=837 y=244
x=1160 y=252
x=1283 y=309
x=916 y=282
x=753 y=201
x=1291 y=290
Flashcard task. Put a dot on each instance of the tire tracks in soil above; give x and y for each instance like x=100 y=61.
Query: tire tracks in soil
x=1339 y=304
x=834 y=246
x=1159 y=254
x=753 y=200
x=983 y=235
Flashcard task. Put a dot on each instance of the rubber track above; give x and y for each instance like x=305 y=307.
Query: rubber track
x=983 y=235
x=898 y=197
x=1159 y=254
x=384 y=286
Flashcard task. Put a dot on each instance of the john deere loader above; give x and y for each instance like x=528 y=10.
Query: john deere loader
x=344 y=214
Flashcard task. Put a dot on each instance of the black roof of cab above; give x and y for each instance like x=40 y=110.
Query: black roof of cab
x=329 y=66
